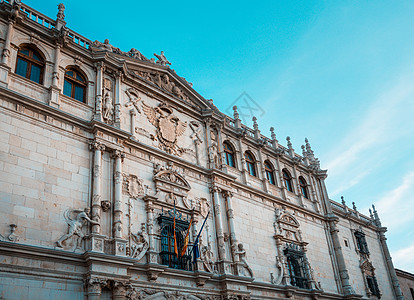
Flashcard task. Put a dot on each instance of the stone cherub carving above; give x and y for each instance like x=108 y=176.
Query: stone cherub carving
x=162 y=60
x=142 y=243
x=241 y=252
x=75 y=225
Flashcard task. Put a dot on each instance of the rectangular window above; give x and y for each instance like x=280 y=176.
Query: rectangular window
x=35 y=73
x=21 y=68
x=361 y=242
x=373 y=286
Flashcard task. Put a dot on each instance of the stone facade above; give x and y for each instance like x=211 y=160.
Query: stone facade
x=406 y=281
x=106 y=155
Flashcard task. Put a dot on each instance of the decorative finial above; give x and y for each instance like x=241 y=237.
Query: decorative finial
x=61 y=12
x=235 y=113
x=354 y=206
x=289 y=144
x=303 y=151
x=273 y=134
x=343 y=200
x=255 y=125
x=370 y=213
x=308 y=146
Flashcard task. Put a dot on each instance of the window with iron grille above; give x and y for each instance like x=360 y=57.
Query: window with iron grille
x=361 y=242
x=373 y=286
x=296 y=266
x=167 y=254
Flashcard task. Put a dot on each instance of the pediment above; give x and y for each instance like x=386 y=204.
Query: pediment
x=173 y=178
x=154 y=72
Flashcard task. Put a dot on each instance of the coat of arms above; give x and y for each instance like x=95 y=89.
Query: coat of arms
x=168 y=125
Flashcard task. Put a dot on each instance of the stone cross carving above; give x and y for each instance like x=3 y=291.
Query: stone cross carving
x=75 y=225
x=162 y=60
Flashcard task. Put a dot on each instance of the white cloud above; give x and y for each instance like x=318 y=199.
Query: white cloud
x=404 y=259
x=395 y=206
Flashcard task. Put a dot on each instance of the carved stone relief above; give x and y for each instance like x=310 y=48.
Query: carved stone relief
x=108 y=105
x=134 y=99
x=75 y=218
x=140 y=243
x=168 y=127
x=133 y=186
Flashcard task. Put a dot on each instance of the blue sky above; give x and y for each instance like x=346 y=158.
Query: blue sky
x=338 y=72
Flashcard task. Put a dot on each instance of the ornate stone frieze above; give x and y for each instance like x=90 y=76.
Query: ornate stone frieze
x=168 y=127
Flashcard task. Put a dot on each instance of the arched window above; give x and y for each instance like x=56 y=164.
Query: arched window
x=30 y=64
x=228 y=150
x=250 y=163
x=75 y=84
x=288 y=180
x=269 y=172
x=303 y=187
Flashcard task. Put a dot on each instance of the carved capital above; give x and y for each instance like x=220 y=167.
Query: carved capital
x=94 y=145
x=227 y=194
x=118 y=154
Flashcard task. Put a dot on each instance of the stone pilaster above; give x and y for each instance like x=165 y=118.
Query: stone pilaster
x=262 y=172
x=133 y=114
x=223 y=165
x=152 y=255
x=343 y=272
x=97 y=239
x=390 y=265
x=54 y=89
x=296 y=183
x=94 y=289
x=4 y=66
x=230 y=217
x=214 y=190
x=117 y=118
x=120 y=242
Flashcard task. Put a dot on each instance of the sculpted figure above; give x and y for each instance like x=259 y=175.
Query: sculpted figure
x=134 y=53
x=141 y=239
x=108 y=108
x=162 y=60
x=165 y=83
x=207 y=256
x=75 y=225
x=242 y=258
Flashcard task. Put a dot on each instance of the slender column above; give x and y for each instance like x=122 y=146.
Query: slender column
x=54 y=89
x=297 y=185
x=390 y=266
x=97 y=182
x=219 y=223
x=6 y=49
x=133 y=113
x=118 y=156
x=149 y=206
x=94 y=289
x=262 y=172
x=119 y=291
x=55 y=75
x=230 y=216
x=223 y=166
x=117 y=120
x=243 y=162
x=98 y=99
x=208 y=135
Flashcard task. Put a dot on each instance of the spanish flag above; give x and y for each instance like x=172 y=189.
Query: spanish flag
x=187 y=238
x=175 y=237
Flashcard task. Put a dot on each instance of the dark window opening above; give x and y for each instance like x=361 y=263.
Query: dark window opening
x=373 y=286
x=75 y=85
x=228 y=150
x=30 y=64
x=296 y=266
x=167 y=254
x=361 y=242
x=303 y=187
x=250 y=164
x=269 y=172
x=288 y=180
